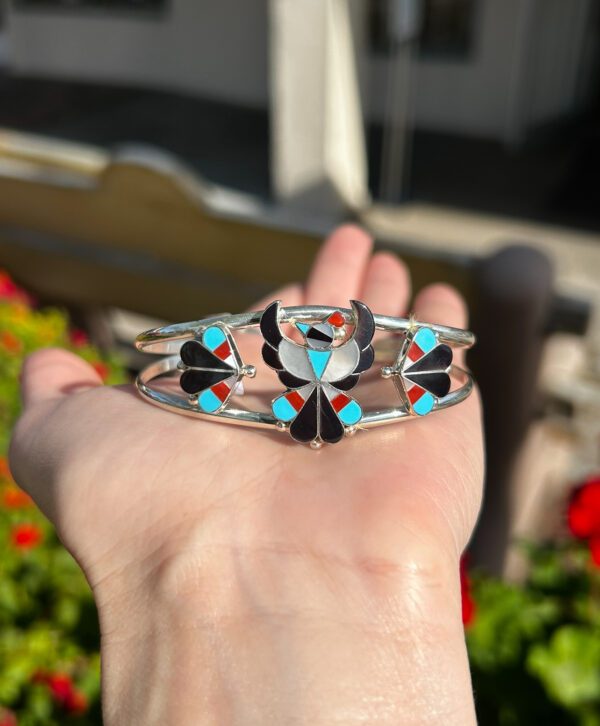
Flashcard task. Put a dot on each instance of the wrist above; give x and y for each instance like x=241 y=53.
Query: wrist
x=271 y=636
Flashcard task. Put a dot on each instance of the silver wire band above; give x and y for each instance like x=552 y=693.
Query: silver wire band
x=170 y=338
x=259 y=419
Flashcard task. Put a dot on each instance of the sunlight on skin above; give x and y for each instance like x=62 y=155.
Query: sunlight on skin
x=245 y=579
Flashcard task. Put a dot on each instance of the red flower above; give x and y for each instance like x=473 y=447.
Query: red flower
x=9 y=290
x=60 y=685
x=595 y=550
x=101 y=369
x=468 y=609
x=76 y=703
x=583 y=515
x=78 y=337
x=14 y=498
x=582 y=522
x=7 y=718
x=10 y=342
x=26 y=536
x=468 y=603
x=64 y=692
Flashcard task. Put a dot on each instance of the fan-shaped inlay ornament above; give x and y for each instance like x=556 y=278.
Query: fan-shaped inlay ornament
x=211 y=367
x=422 y=372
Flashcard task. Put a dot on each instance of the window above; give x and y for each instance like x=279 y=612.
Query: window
x=74 y=5
x=445 y=27
x=448 y=27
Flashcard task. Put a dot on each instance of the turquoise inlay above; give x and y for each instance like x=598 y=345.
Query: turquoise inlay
x=213 y=337
x=425 y=339
x=283 y=409
x=351 y=414
x=303 y=327
x=424 y=404
x=208 y=402
x=318 y=360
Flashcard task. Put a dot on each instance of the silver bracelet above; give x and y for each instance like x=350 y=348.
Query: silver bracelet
x=317 y=373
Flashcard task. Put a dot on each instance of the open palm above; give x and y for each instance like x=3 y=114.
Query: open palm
x=140 y=496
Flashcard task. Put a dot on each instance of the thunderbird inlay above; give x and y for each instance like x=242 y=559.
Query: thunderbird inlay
x=317 y=373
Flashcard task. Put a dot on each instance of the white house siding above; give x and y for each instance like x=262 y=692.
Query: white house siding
x=217 y=49
x=524 y=68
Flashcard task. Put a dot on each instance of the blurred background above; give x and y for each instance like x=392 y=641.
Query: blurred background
x=163 y=159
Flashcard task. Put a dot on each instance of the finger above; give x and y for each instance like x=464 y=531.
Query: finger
x=339 y=269
x=386 y=288
x=291 y=294
x=442 y=304
x=52 y=372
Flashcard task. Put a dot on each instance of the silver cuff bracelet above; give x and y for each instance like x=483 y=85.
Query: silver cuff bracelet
x=317 y=373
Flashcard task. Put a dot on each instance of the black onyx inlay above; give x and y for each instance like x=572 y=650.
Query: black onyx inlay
x=437 y=359
x=195 y=355
x=365 y=325
x=347 y=383
x=332 y=429
x=436 y=382
x=315 y=333
x=291 y=381
x=271 y=357
x=269 y=325
x=430 y=371
x=367 y=356
x=304 y=426
x=194 y=381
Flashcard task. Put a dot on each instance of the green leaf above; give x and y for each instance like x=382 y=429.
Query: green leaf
x=569 y=666
x=39 y=703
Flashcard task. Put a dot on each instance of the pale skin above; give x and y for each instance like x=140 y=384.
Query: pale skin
x=244 y=580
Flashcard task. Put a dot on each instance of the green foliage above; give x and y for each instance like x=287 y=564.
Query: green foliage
x=535 y=648
x=569 y=666
x=49 y=638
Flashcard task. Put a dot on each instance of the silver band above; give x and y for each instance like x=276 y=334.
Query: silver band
x=170 y=339
x=267 y=420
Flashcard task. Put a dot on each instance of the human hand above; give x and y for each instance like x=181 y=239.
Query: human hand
x=243 y=580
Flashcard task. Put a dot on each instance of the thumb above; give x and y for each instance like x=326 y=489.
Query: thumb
x=52 y=373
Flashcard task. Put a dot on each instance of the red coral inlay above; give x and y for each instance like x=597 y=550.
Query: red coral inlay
x=414 y=352
x=339 y=402
x=336 y=319
x=414 y=394
x=295 y=399
x=223 y=351
x=221 y=390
